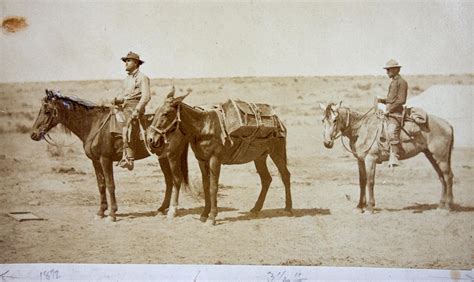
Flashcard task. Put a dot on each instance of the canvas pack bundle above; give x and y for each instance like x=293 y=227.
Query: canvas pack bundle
x=418 y=115
x=248 y=119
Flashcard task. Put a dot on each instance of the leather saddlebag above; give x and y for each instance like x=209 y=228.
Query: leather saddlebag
x=248 y=119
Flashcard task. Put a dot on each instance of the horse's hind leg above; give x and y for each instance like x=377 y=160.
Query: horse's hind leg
x=99 y=173
x=215 y=170
x=448 y=176
x=168 y=174
x=279 y=158
x=362 y=184
x=445 y=174
x=265 y=178
x=204 y=167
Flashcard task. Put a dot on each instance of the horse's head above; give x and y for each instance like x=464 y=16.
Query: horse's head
x=48 y=116
x=331 y=123
x=165 y=121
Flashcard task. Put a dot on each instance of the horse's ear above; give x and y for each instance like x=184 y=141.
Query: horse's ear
x=171 y=93
x=179 y=99
x=49 y=93
x=322 y=106
x=337 y=106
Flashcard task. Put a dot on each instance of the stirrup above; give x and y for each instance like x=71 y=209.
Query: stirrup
x=126 y=162
x=393 y=162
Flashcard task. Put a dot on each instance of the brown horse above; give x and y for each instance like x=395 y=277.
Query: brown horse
x=435 y=141
x=90 y=123
x=176 y=124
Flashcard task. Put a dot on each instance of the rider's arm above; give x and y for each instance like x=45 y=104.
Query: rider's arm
x=146 y=96
x=393 y=93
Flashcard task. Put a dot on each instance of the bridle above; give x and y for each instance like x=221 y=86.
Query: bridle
x=45 y=135
x=163 y=132
x=348 y=126
x=348 y=121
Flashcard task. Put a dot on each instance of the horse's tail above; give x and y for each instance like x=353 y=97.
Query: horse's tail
x=451 y=145
x=285 y=134
x=190 y=188
x=184 y=167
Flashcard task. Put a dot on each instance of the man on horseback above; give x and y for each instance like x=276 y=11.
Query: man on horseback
x=396 y=98
x=135 y=97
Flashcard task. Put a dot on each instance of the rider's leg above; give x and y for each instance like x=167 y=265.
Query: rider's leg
x=127 y=156
x=393 y=130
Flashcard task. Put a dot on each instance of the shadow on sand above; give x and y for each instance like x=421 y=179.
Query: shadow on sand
x=273 y=213
x=419 y=208
x=181 y=212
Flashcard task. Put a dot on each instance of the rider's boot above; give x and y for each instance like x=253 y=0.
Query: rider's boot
x=394 y=155
x=127 y=158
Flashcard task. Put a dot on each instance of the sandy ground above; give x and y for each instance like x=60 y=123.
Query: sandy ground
x=59 y=185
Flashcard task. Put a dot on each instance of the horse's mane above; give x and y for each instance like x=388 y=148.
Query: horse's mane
x=80 y=101
x=72 y=101
x=76 y=101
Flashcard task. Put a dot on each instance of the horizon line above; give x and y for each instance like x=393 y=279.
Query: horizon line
x=232 y=77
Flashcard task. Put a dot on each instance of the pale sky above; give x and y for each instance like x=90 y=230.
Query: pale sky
x=68 y=40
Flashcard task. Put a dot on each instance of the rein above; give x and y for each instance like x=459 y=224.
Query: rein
x=143 y=133
x=100 y=128
x=347 y=127
x=46 y=136
x=53 y=143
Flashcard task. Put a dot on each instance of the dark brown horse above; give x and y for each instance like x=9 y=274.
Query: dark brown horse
x=177 y=124
x=90 y=123
x=363 y=131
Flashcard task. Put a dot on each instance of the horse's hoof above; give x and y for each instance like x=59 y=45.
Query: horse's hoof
x=443 y=211
x=170 y=216
x=211 y=222
x=172 y=212
x=111 y=219
x=288 y=211
x=203 y=219
x=161 y=211
x=255 y=210
x=369 y=212
x=358 y=210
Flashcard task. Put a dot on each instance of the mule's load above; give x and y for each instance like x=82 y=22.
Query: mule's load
x=248 y=119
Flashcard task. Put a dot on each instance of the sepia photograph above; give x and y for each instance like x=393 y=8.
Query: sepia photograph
x=273 y=137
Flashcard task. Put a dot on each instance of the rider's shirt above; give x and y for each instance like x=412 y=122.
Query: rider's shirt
x=397 y=95
x=137 y=88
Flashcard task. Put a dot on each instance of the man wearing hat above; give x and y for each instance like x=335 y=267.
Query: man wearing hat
x=134 y=99
x=396 y=98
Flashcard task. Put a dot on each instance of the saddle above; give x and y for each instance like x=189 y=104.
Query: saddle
x=117 y=122
x=413 y=121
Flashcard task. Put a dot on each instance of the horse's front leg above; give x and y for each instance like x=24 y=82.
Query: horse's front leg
x=168 y=174
x=107 y=167
x=175 y=165
x=370 y=163
x=99 y=173
x=362 y=183
x=215 y=170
